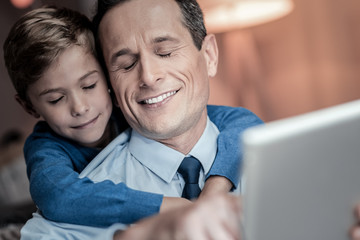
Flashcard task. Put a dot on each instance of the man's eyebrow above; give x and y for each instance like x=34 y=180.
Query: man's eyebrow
x=126 y=51
x=165 y=39
x=119 y=53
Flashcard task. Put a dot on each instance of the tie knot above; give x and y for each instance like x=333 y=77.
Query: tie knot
x=190 y=169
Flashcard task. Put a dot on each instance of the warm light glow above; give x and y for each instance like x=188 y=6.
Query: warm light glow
x=22 y=3
x=226 y=15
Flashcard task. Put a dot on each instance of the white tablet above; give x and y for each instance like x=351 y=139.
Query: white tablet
x=301 y=176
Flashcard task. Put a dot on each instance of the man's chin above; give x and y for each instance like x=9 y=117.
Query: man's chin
x=159 y=133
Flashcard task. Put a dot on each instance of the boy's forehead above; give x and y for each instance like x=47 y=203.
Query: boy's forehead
x=71 y=63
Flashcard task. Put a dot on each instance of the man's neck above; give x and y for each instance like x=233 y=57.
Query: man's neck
x=186 y=141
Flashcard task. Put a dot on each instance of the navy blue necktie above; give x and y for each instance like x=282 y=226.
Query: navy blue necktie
x=190 y=171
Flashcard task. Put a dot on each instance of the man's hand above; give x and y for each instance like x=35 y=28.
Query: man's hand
x=215 y=217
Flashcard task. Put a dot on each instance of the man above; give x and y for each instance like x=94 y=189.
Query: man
x=160 y=76
x=150 y=53
x=159 y=69
x=159 y=66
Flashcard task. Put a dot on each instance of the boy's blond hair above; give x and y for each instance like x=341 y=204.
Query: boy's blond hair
x=38 y=38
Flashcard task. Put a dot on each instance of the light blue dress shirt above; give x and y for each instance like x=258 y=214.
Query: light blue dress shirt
x=140 y=163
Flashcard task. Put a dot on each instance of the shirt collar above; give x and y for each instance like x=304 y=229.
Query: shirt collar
x=206 y=148
x=164 y=161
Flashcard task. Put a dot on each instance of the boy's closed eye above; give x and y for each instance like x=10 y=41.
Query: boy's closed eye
x=53 y=102
x=91 y=86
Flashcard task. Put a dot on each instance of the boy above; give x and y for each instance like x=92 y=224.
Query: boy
x=50 y=56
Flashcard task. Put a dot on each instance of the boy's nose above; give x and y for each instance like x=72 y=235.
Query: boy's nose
x=79 y=107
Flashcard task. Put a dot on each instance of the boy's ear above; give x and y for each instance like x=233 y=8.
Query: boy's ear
x=113 y=97
x=27 y=106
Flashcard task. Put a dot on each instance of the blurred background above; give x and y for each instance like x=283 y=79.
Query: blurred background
x=304 y=60
x=307 y=60
x=278 y=58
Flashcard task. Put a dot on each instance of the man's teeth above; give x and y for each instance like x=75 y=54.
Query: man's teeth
x=159 y=98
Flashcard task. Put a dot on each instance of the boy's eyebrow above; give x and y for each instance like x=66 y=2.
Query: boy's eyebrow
x=87 y=74
x=46 y=91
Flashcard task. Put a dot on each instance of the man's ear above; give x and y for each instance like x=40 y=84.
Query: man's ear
x=27 y=106
x=116 y=102
x=211 y=52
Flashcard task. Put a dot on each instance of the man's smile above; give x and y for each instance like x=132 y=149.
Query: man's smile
x=158 y=99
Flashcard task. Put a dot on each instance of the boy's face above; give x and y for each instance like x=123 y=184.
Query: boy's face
x=72 y=96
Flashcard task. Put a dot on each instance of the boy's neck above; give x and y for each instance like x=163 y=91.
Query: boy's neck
x=109 y=134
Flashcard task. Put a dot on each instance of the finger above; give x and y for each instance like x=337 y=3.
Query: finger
x=357 y=212
x=228 y=216
x=223 y=231
x=355 y=233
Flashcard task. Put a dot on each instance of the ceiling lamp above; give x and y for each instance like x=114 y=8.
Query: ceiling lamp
x=22 y=3
x=226 y=15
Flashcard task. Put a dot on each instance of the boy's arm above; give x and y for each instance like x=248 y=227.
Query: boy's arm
x=231 y=122
x=62 y=196
x=216 y=184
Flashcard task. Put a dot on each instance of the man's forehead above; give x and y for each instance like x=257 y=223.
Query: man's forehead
x=140 y=9
x=155 y=19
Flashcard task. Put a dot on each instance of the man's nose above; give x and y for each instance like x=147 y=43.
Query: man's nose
x=151 y=70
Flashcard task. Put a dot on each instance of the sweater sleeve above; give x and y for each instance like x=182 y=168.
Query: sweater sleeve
x=62 y=196
x=231 y=122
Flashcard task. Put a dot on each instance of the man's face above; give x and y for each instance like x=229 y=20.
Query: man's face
x=161 y=80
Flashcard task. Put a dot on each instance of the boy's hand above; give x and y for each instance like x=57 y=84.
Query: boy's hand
x=216 y=185
x=171 y=203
